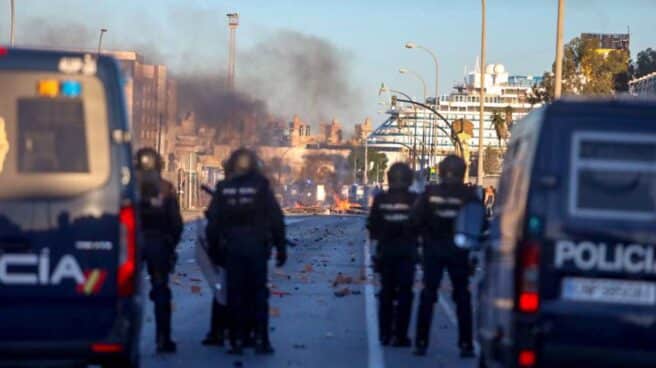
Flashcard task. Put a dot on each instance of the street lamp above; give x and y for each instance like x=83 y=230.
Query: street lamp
x=559 y=50
x=417 y=75
x=481 y=132
x=412 y=45
x=100 y=38
x=423 y=126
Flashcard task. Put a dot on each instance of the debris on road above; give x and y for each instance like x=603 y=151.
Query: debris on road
x=279 y=293
x=341 y=280
x=299 y=346
x=274 y=312
x=343 y=292
x=195 y=289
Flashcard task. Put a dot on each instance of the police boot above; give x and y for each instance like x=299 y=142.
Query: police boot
x=163 y=321
x=262 y=343
x=216 y=335
x=236 y=348
x=215 y=338
x=401 y=342
x=420 y=348
x=467 y=350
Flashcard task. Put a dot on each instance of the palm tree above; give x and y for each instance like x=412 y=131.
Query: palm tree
x=500 y=127
x=508 y=111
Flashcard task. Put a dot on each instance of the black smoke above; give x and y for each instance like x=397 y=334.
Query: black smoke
x=285 y=73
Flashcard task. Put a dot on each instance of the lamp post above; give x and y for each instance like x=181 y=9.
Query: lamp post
x=100 y=38
x=412 y=45
x=12 y=32
x=559 y=50
x=423 y=127
x=421 y=79
x=366 y=162
x=481 y=129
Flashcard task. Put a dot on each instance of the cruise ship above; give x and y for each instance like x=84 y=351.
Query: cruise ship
x=415 y=134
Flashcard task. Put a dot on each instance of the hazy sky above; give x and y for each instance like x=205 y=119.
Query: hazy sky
x=370 y=34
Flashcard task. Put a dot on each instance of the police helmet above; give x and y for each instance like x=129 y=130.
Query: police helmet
x=149 y=160
x=399 y=176
x=452 y=169
x=241 y=162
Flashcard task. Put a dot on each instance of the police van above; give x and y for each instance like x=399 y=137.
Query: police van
x=570 y=267
x=68 y=227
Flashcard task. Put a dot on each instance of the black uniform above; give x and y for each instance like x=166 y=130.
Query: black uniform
x=162 y=226
x=245 y=220
x=434 y=214
x=389 y=224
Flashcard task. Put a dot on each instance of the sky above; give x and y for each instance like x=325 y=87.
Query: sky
x=368 y=36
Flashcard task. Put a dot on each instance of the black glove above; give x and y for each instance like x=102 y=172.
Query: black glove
x=473 y=265
x=281 y=257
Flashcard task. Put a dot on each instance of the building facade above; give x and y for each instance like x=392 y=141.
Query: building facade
x=151 y=99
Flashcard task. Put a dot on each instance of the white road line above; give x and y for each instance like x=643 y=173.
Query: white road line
x=376 y=359
x=452 y=317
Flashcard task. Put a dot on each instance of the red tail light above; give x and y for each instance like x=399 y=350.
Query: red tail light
x=526 y=358
x=106 y=348
x=127 y=252
x=3 y=51
x=528 y=297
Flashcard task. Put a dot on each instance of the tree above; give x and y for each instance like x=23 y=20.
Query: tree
x=644 y=64
x=588 y=70
x=499 y=124
x=377 y=164
x=508 y=116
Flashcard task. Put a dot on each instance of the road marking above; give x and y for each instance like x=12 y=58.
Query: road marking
x=375 y=351
x=452 y=317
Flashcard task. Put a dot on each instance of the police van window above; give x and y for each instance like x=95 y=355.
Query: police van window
x=55 y=129
x=613 y=176
x=51 y=135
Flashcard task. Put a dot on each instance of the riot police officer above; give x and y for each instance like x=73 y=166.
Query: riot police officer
x=162 y=227
x=389 y=224
x=246 y=218
x=434 y=215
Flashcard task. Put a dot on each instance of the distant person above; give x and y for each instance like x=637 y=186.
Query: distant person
x=490 y=198
x=162 y=228
x=434 y=214
x=247 y=218
x=389 y=224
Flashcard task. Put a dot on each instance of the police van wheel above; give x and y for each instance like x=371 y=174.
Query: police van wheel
x=124 y=362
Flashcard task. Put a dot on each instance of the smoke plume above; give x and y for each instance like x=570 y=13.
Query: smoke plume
x=284 y=73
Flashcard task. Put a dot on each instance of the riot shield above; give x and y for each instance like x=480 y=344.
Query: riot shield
x=214 y=275
x=469 y=226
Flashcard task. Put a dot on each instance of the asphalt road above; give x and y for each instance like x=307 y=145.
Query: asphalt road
x=310 y=325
